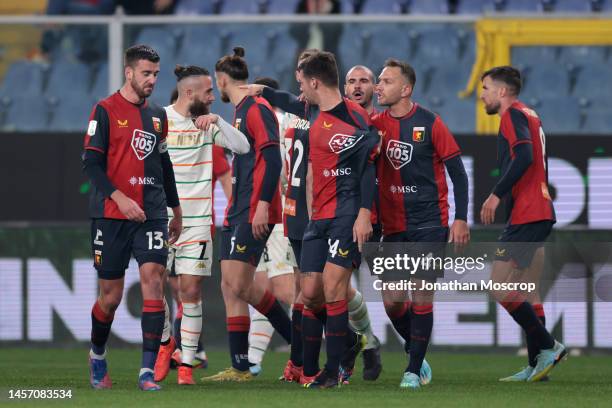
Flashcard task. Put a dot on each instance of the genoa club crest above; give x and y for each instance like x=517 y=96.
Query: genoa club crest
x=418 y=134
x=339 y=142
x=157 y=124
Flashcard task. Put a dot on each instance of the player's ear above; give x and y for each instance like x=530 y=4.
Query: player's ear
x=128 y=72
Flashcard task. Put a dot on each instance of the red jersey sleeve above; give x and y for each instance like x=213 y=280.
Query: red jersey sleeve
x=262 y=126
x=515 y=127
x=444 y=142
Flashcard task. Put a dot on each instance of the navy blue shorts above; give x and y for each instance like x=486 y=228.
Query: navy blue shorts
x=519 y=242
x=114 y=241
x=239 y=244
x=427 y=240
x=329 y=240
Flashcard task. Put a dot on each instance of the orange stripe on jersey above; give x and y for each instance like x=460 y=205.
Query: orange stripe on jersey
x=191 y=242
x=191 y=332
x=192 y=164
x=261 y=334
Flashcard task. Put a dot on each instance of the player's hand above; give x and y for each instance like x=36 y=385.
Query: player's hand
x=175 y=226
x=253 y=89
x=301 y=97
x=260 y=221
x=487 y=212
x=203 y=122
x=128 y=207
x=459 y=234
x=362 y=229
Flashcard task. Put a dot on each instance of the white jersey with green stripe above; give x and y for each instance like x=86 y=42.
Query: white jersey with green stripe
x=191 y=153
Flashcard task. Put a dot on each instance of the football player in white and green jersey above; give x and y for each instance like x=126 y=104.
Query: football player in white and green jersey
x=192 y=131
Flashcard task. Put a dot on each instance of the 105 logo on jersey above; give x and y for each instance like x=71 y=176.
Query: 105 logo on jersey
x=143 y=143
x=399 y=153
x=339 y=142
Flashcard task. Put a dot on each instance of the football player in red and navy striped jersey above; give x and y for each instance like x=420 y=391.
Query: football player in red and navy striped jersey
x=343 y=147
x=253 y=210
x=417 y=147
x=315 y=313
x=127 y=161
x=521 y=155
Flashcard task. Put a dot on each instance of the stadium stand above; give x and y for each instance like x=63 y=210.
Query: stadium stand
x=442 y=54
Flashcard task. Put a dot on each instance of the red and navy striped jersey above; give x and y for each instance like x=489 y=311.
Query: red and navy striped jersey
x=255 y=118
x=531 y=201
x=132 y=137
x=410 y=170
x=340 y=147
x=296 y=142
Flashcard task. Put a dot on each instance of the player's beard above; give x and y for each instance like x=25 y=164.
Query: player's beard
x=140 y=91
x=198 y=108
x=224 y=97
x=493 y=108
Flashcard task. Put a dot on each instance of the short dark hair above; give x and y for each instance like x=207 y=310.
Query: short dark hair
x=234 y=65
x=181 y=72
x=139 y=52
x=173 y=96
x=322 y=66
x=307 y=53
x=267 y=81
x=506 y=74
x=405 y=68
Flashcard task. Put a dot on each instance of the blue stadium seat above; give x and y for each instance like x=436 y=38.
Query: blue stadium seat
x=348 y=6
x=448 y=80
x=282 y=6
x=162 y=39
x=546 y=80
x=196 y=7
x=22 y=77
x=521 y=6
x=382 y=7
x=572 y=6
x=71 y=114
x=603 y=5
x=68 y=79
x=429 y=7
x=27 y=113
x=438 y=43
x=282 y=47
x=598 y=121
x=594 y=80
x=166 y=82
x=475 y=6
x=201 y=45
x=526 y=57
x=351 y=45
x=459 y=115
x=100 y=85
x=240 y=7
x=388 y=41
x=254 y=39
x=559 y=115
x=581 y=55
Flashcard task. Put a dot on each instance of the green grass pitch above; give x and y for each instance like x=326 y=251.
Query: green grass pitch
x=459 y=380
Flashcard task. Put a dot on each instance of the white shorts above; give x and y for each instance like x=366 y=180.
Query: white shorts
x=192 y=252
x=277 y=258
